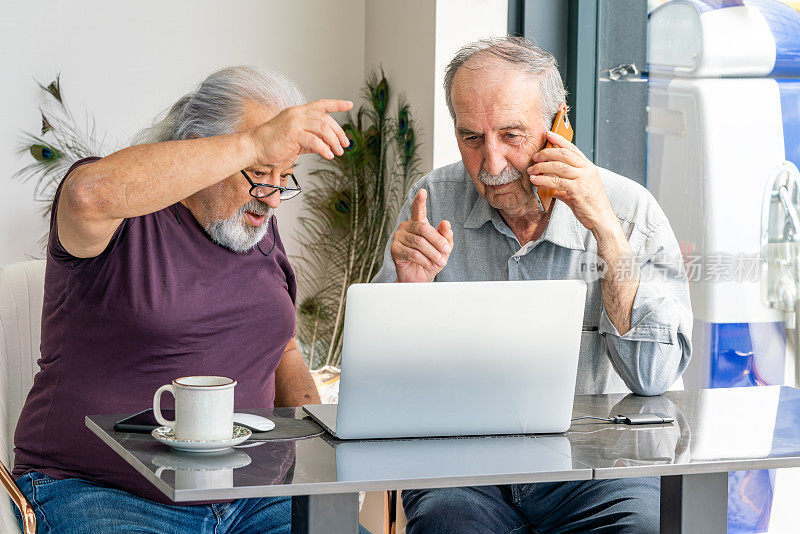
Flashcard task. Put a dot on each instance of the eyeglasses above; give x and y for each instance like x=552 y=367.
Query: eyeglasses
x=265 y=190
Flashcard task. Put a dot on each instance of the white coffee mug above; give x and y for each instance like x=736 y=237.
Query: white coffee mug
x=203 y=407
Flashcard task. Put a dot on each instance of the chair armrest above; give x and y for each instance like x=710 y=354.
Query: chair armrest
x=25 y=508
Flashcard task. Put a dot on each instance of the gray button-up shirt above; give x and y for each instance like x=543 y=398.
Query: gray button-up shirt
x=651 y=356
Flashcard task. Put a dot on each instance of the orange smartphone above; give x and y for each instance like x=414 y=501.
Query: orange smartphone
x=561 y=126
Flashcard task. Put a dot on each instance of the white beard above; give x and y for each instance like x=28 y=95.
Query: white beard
x=234 y=234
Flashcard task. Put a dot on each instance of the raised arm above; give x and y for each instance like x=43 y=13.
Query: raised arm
x=142 y=179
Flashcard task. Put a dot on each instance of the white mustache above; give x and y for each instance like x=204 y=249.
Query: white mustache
x=506 y=176
x=255 y=206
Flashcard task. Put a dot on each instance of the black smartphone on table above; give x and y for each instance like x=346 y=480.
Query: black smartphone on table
x=144 y=421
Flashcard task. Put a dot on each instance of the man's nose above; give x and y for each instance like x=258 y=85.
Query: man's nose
x=273 y=201
x=494 y=157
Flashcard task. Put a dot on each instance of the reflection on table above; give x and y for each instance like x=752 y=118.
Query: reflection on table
x=714 y=431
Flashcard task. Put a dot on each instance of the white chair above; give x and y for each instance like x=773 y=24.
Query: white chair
x=21 y=295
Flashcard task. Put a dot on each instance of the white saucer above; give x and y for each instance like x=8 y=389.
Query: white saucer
x=166 y=435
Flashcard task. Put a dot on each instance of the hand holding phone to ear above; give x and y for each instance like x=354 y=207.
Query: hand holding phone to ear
x=562 y=171
x=561 y=126
x=575 y=181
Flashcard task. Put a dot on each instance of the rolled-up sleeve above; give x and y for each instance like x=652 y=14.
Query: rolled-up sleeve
x=653 y=354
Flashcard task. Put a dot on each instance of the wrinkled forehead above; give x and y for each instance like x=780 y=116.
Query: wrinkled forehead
x=288 y=166
x=485 y=89
x=254 y=115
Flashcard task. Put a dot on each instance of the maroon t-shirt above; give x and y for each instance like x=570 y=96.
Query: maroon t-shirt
x=160 y=302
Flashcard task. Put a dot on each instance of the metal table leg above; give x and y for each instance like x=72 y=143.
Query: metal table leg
x=335 y=513
x=694 y=503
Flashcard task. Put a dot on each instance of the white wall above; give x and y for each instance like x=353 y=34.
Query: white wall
x=400 y=36
x=124 y=62
x=414 y=40
x=459 y=22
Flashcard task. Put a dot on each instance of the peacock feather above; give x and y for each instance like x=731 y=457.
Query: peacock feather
x=403 y=119
x=353 y=152
x=379 y=90
x=54 y=88
x=62 y=142
x=46 y=126
x=44 y=153
x=349 y=216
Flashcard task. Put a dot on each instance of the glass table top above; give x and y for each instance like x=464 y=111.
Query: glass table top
x=714 y=431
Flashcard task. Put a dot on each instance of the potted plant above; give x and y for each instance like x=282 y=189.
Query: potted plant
x=349 y=216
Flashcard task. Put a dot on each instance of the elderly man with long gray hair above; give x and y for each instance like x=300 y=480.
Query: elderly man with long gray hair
x=481 y=219
x=164 y=260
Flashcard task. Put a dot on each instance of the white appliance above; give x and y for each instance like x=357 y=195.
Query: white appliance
x=723 y=145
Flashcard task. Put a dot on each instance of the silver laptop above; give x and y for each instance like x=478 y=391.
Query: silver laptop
x=457 y=359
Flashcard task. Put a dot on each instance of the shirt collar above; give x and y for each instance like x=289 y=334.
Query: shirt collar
x=563 y=229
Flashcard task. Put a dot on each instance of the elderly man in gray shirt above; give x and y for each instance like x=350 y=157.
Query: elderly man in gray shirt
x=481 y=219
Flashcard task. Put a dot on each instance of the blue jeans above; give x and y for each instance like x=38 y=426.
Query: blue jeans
x=620 y=505
x=76 y=506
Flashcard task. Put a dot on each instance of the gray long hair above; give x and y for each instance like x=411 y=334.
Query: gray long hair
x=216 y=107
x=521 y=53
